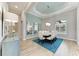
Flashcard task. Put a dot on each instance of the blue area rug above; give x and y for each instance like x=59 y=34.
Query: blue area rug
x=50 y=45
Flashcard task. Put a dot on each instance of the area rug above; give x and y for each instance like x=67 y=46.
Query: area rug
x=50 y=45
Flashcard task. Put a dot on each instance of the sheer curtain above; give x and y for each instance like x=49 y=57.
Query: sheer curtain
x=36 y=27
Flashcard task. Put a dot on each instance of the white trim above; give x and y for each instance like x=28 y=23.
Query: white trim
x=78 y=25
x=0 y=31
x=23 y=18
x=68 y=39
x=69 y=6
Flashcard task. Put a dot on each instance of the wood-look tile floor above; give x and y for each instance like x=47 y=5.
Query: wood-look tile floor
x=67 y=48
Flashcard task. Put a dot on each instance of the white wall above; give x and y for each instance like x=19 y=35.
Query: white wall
x=78 y=25
x=71 y=18
x=23 y=16
x=0 y=22
x=0 y=35
x=0 y=31
x=5 y=7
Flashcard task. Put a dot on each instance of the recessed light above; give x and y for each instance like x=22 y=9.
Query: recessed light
x=16 y=6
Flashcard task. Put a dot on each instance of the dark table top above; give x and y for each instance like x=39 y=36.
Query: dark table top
x=46 y=36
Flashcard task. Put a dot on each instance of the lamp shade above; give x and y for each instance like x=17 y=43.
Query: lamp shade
x=10 y=17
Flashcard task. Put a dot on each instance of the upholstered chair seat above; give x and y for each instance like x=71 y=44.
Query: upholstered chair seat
x=42 y=33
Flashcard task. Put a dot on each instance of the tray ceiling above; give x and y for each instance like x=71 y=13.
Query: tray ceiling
x=49 y=7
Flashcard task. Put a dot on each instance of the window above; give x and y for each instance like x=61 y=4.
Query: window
x=61 y=27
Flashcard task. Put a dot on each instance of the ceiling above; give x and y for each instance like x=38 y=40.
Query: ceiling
x=17 y=7
x=42 y=7
x=49 y=7
x=39 y=8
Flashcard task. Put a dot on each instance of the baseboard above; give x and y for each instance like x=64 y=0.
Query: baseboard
x=69 y=39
